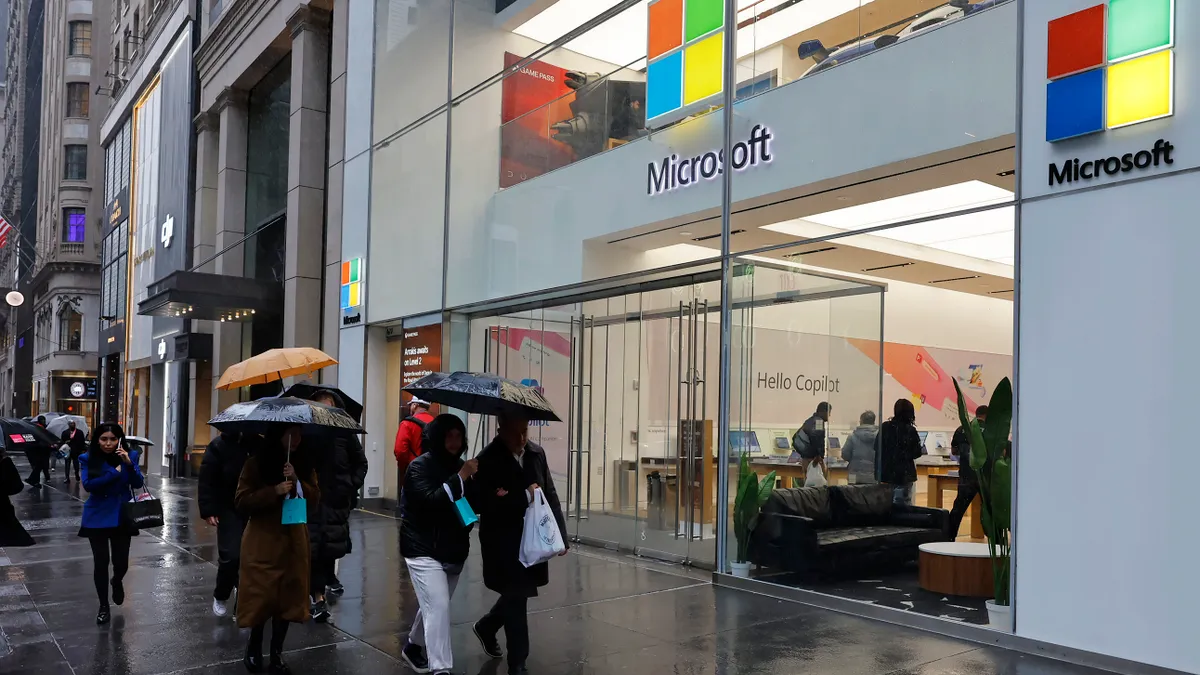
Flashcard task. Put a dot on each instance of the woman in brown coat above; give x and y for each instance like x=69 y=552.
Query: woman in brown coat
x=274 y=568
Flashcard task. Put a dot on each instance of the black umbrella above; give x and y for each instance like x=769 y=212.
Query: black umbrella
x=19 y=434
x=483 y=394
x=257 y=417
x=306 y=390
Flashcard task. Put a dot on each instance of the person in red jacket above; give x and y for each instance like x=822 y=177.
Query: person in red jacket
x=408 y=436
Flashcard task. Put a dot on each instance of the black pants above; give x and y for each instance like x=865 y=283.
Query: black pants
x=321 y=575
x=229 y=553
x=510 y=613
x=966 y=493
x=40 y=460
x=72 y=462
x=100 y=561
x=279 y=630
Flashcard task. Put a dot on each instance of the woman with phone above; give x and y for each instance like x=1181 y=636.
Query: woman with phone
x=274 y=570
x=110 y=475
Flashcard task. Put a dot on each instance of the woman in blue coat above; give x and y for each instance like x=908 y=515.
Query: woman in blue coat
x=110 y=475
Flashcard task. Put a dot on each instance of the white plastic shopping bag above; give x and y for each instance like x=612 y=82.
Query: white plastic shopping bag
x=541 y=539
x=814 y=477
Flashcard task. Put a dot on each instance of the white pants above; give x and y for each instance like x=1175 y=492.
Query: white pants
x=431 y=628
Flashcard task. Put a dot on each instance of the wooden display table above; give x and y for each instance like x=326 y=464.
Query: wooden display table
x=956 y=568
x=937 y=483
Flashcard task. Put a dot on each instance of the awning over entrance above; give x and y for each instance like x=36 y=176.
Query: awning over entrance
x=211 y=297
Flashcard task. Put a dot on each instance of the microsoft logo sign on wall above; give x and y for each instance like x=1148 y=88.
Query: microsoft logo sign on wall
x=685 y=51
x=1110 y=66
x=352 y=291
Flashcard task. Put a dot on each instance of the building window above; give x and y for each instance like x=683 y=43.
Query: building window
x=77 y=99
x=76 y=163
x=81 y=38
x=70 y=329
x=74 y=225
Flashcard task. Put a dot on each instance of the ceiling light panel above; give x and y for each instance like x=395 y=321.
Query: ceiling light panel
x=928 y=203
x=620 y=41
x=787 y=22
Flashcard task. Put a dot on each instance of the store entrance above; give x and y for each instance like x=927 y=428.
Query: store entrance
x=633 y=377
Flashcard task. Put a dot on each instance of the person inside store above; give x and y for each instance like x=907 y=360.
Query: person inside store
x=511 y=468
x=434 y=541
x=408 y=436
x=38 y=454
x=12 y=534
x=220 y=470
x=968 y=482
x=341 y=473
x=859 y=451
x=76 y=444
x=274 y=571
x=899 y=448
x=110 y=474
x=809 y=441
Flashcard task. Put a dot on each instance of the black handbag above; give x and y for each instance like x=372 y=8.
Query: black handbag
x=144 y=513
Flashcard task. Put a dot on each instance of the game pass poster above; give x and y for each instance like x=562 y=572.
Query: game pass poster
x=532 y=99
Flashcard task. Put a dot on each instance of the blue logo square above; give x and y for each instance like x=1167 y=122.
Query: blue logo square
x=665 y=92
x=1075 y=106
x=346 y=296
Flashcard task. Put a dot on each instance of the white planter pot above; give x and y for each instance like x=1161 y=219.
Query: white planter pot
x=999 y=616
x=741 y=569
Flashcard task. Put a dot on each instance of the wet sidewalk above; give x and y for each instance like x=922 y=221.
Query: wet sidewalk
x=602 y=614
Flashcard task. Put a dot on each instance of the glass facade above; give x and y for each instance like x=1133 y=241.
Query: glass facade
x=692 y=288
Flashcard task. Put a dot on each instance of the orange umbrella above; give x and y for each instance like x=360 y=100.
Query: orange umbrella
x=275 y=364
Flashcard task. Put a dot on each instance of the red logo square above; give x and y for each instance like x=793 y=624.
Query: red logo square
x=1076 y=42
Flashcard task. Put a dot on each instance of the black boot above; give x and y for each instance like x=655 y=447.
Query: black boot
x=103 y=616
x=254 y=659
x=278 y=667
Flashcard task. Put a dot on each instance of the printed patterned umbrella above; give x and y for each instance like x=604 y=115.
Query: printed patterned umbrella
x=483 y=394
x=256 y=417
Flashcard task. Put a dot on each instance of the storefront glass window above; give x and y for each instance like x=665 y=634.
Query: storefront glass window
x=269 y=122
x=412 y=62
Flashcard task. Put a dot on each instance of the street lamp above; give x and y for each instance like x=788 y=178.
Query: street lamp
x=15 y=298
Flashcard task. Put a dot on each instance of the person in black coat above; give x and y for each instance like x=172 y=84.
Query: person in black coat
x=76 y=442
x=434 y=541
x=38 y=454
x=900 y=447
x=12 y=534
x=510 y=469
x=219 y=473
x=341 y=472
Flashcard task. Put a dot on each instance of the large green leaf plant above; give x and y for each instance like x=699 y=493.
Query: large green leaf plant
x=993 y=468
x=751 y=495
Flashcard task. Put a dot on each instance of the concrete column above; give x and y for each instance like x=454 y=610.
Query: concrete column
x=306 y=177
x=230 y=225
x=208 y=125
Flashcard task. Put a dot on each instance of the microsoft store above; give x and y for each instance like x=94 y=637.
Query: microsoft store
x=558 y=195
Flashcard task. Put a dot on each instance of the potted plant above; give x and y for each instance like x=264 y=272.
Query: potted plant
x=751 y=495
x=993 y=469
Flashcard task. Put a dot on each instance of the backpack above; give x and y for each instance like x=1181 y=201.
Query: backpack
x=424 y=429
x=800 y=442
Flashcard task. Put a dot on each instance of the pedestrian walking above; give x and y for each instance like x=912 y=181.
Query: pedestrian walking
x=76 y=443
x=12 y=534
x=434 y=541
x=219 y=473
x=38 y=454
x=110 y=475
x=408 y=435
x=968 y=481
x=511 y=468
x=274 y=572
x=341 y=472
x=900 y=447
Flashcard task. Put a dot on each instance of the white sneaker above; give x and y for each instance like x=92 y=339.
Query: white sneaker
x=219 y=608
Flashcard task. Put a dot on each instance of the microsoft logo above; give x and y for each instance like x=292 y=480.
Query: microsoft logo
x=1110 y=66
x=352 y=283
x=685 y=51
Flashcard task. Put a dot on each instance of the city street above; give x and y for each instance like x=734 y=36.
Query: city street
x=602 y=613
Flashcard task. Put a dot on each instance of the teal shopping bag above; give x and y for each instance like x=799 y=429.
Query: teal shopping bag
x=295 y=511
x=466 y=514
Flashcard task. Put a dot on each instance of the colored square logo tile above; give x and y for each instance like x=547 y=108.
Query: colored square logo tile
x=665 y=90
x=703 y=73
x=1141 y=89
x=346 y=297
x=346 y=272
x=1137 y=27
x=355 y=264
x=703 y=17
x=1075 y=106
x=665 y=27
x=1075 y=43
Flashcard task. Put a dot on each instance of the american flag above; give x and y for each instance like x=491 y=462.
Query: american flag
x=5 y=228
